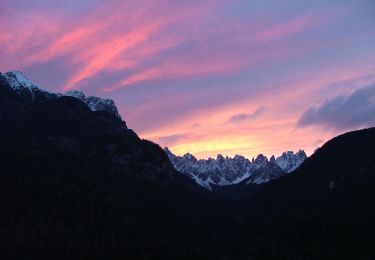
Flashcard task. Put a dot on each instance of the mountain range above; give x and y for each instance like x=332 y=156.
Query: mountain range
x=76 y=182
x=229 y=171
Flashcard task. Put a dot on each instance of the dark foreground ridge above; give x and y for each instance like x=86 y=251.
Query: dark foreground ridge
x=77 y=183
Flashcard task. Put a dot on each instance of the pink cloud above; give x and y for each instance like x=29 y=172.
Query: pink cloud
x=107 y=52
x=220 y=61
x=283 y=30
x=95 y=42
x=128 y=47
x=31 y=32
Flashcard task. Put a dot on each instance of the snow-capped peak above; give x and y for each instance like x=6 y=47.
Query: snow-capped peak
x=22 y=85
x=30 y=92
x=17 y=79
x=289 y=161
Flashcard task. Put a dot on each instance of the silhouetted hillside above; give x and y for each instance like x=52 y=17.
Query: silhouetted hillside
x=325 y=209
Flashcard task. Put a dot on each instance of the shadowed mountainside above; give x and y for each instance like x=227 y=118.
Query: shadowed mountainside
x=78 y=183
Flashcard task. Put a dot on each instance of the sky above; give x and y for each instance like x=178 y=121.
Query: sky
x=206 y=77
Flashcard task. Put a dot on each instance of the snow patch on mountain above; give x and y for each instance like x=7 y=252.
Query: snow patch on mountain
x=95 y=103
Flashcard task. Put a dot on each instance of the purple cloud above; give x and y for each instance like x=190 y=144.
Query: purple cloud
x=343 y=112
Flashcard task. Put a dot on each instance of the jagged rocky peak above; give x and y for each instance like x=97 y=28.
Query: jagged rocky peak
x=189 y=157
x=30 y=92
x=220 y=159
x=301 y=153
x=239 y=157
x=167 y=151
x=289 y=161
x=241 y=160
x=260 y=160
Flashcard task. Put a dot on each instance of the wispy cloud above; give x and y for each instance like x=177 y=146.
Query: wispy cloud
x=195 y=125
x=239 y=118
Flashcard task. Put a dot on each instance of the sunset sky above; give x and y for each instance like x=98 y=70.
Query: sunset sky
x=206 y=77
